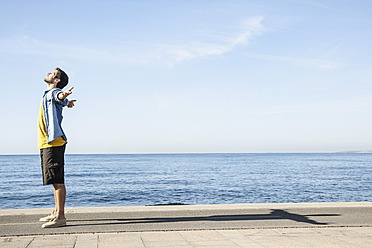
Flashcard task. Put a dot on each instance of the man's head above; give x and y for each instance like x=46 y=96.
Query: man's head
x=57 y=77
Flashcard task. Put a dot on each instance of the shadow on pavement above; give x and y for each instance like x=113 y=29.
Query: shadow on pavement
x=275 y=214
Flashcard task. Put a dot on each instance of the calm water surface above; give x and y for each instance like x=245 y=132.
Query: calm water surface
x=135 y=180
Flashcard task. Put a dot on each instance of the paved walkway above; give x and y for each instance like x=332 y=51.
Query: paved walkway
x=339 y=237
x=239 y=225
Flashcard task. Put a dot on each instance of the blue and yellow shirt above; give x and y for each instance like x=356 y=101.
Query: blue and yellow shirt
x=50 y=132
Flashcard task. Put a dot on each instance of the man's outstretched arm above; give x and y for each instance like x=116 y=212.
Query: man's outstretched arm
x=62 y=96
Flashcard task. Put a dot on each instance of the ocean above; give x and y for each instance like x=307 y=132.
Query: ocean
x=156 y=179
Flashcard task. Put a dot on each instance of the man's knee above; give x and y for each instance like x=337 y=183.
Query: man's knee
x=58 y=186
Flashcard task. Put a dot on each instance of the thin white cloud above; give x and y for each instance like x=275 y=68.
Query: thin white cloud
x=168 y=54
x=318 y=5
x=24 y=44
x=176 y=53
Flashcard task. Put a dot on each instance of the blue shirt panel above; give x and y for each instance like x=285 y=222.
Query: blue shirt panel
x=52 y=108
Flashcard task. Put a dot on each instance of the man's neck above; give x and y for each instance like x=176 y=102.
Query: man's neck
x=51 y=86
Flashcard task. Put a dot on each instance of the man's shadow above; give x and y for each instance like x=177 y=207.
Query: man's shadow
x=275 y=214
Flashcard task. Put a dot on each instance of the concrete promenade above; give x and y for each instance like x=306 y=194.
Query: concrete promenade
x=236 y=225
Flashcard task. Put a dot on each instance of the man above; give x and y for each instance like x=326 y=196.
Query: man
x=52 y=142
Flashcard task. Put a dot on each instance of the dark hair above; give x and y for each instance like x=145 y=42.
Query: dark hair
x=62 y=76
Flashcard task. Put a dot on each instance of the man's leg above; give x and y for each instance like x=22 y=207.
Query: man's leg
x=54 y=174
x=55 y=201
x=60 y=199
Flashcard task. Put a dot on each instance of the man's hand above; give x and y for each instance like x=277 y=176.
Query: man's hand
x=63 y=95
x=71 y=103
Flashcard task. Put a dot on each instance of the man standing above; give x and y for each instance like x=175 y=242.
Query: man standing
x=52 y=142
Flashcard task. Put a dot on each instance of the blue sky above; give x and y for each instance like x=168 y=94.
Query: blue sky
x=191 y=76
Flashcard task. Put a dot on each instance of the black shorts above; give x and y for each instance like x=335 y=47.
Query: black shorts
x=53 y=164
